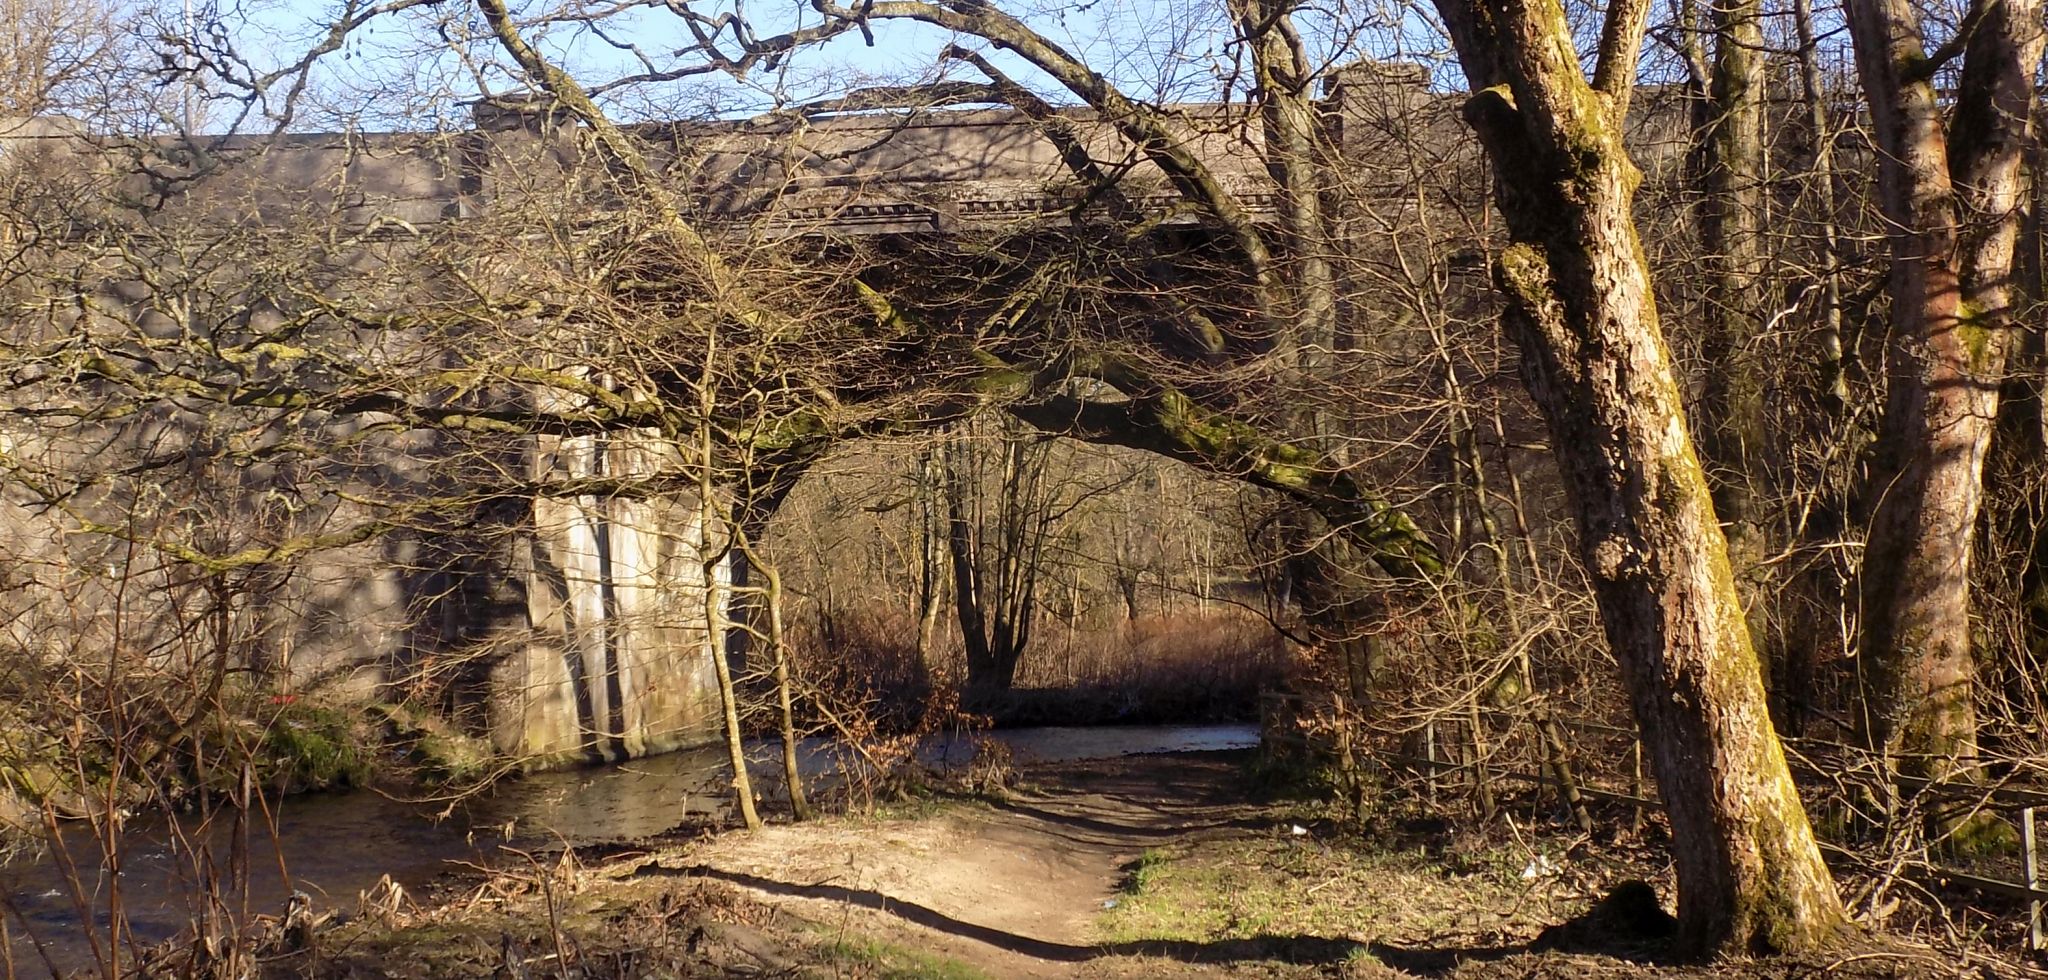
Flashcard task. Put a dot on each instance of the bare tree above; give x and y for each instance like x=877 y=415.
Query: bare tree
x=1000 y=514
x=50 y=49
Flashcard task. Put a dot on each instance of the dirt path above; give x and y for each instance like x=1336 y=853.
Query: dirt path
x=1018 y=888
x=1013 y=888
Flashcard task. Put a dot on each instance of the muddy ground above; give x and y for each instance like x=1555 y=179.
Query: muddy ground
x=1147 y=866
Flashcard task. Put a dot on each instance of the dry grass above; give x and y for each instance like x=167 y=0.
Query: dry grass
x=1193 y=649
x=1349 y=889
x=1190 y=666
x=863 y=661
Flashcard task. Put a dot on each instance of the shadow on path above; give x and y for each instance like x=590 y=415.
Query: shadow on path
x=1311 y=950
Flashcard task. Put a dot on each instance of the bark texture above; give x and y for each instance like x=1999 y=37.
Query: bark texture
x=1579 y=306
x=1732 y=428
x=1951 y=193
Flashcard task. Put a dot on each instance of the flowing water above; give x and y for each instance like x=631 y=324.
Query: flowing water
x=335 y=846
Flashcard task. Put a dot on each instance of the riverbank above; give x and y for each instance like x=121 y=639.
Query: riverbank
x=65 y=905
x=1145 y=866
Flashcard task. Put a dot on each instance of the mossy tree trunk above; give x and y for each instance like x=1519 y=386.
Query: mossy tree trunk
x=1155 y=417
x=1951 y=191
x=1743 y=450
x=1580 y=307
x=1297 y=160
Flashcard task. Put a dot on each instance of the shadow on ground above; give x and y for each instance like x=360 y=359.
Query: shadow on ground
x=1302 y=950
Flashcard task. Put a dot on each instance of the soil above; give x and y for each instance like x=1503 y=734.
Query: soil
x=1013 y=886
x=1138 y=867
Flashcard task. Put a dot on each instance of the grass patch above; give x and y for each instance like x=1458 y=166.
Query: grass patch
x=436 y=751
x=926 y=803
x=888 y=961
x=1250 y=888
x=1144 y=873
x=315 y=747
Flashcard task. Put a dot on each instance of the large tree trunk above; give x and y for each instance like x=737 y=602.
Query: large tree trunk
x=1951 y=297
x=1731 y=217
x=1579 y=304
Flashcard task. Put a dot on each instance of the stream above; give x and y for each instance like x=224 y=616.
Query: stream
x=335 y=846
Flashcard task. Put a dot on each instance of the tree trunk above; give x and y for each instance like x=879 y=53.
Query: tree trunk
x=1821 y=173
x=969 y=602
x=792 y=775
x=1579 y=304
x=2025 y=679
x=1815 y=602
x=999 y=518
x=1951 y=297
x=1731 y=232
x=746 y=613
x=709 y=523
x=931 y=560
x=1294 y=158
x=728 y=698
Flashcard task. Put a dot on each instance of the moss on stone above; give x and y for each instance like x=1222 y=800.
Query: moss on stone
x=436 y=751
x=1507 y=689
x=1981 y=835
x=310 y=746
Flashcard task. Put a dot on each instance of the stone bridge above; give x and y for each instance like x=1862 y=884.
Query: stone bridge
x=593 y=657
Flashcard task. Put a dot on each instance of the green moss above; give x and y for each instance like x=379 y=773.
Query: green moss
x=998 y=378
x=1524 y=272
x=1226 y=445
x=1977 y=335
x=1983 y=835
x=438 y=753
x=291 y=743
x=309 y=746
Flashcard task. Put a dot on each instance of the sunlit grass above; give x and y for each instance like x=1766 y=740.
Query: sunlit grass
x=1298 y=887
x=872 y=957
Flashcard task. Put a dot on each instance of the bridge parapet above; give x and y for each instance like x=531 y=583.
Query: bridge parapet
x=890 y=171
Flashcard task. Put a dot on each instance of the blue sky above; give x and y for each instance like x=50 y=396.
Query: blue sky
x=1171 y=49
